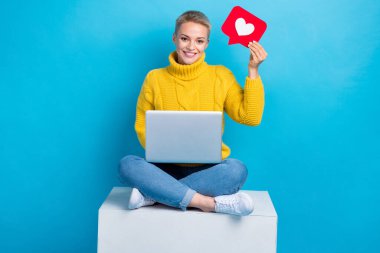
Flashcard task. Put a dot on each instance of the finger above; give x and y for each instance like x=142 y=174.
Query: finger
x=257 y=44
x=263 y=52
x=258 y=50
x=254 y=57
x=255 y=48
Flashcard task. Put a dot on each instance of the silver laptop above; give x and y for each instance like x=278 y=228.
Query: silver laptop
x=183 y=136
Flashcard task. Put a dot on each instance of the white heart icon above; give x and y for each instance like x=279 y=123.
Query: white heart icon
x=243 y=28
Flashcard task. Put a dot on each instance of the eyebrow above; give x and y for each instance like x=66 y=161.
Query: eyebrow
x=189 y=36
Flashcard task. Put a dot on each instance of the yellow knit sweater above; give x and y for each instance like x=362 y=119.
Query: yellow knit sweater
x=199 y=87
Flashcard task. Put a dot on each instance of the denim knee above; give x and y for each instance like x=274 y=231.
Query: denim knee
x=125 y=167
x=238 y=172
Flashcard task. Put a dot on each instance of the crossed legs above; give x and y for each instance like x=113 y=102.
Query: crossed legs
x=196 y=189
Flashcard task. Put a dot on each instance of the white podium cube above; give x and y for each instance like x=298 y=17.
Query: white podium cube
x=161 y=228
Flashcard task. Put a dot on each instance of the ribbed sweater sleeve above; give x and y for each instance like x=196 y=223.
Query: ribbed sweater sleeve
x=144 y=103
x=246 y=105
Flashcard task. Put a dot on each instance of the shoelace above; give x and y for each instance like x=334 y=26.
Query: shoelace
x=228 y=203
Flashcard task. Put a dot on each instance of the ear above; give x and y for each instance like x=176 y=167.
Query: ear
x=174 y=37
x=208 y=41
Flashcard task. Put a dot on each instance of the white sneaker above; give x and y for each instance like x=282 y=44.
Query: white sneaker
x=137 y=200
x=239 y=203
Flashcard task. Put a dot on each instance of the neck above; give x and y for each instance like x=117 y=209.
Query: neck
x=186 y=71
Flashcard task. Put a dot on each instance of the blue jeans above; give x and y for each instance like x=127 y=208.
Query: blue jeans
x=175 y=186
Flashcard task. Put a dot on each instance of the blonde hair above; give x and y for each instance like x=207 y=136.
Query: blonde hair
x=193 y=16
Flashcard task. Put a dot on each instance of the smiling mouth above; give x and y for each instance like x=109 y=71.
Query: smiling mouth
x=189 y=54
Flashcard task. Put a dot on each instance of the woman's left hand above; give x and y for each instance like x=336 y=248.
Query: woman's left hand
x=257 y=56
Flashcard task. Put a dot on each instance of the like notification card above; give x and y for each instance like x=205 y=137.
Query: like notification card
x=243 y=27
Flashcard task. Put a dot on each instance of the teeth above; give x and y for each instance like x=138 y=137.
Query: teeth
x=189 y=54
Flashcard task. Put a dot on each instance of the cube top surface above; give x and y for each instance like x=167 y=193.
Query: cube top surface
x=118 y=198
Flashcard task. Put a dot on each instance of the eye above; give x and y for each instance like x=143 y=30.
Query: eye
x=200 y=41
x=183 y=38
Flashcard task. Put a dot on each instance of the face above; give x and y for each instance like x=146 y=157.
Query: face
x=191 y=40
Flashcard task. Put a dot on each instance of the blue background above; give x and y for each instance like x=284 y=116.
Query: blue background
x=70 y=74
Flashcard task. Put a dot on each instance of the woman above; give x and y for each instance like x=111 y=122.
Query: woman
x=189 y=83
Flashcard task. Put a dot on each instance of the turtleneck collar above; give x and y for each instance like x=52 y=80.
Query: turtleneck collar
x=186 y=72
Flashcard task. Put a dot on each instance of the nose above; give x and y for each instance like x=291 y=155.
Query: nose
x=190 y=46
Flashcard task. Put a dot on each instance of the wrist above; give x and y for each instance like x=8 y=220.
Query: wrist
x=253 y=73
